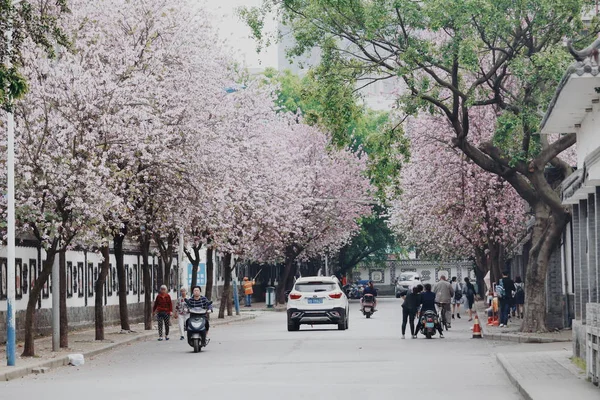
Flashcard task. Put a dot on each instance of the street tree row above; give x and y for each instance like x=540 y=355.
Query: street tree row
x=142 y=128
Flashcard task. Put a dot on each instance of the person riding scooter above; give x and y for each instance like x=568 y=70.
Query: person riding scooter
x=428 y=304
x=370 y=289
x=199 y=301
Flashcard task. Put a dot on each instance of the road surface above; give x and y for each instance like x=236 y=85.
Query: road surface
x=259 y=359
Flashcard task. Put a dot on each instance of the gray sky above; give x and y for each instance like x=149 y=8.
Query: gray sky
x=236 y=33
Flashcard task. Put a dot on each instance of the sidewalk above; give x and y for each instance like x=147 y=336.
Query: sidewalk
x=547 y=375
x=513 y=333
x=82 y=342
x=261 y=306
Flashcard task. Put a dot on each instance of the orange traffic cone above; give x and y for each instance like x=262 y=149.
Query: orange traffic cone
x=476 y=328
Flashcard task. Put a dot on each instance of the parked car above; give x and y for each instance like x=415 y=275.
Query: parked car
x=317 y=300
x=405 y=282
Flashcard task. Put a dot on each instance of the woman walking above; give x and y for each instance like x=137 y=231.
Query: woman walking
x=519 y=296
x=470 y=296
x=163 y=308
x=410 y=306
x=183 y=312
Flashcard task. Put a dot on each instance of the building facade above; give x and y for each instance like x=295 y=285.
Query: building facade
x=576 y=109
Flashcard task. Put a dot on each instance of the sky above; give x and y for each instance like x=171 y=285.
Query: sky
x=236 y=33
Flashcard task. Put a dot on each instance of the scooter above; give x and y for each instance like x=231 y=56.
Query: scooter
x=368 y=305
x=429 y=321
x=196 y=328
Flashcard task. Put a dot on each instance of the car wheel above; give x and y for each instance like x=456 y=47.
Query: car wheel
x=292 y=326
x=342 y=326
x=347 y=322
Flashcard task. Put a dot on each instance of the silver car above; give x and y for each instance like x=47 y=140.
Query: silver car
x=405 y=282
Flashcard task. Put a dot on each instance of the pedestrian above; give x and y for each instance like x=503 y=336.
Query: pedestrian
x=163 y=308
x=458 y=297
x=248 y=291
x=505 y=290
x=410 y=306
x=519 y=296
x=469 y=295
x=444 y=293
x=182 y=311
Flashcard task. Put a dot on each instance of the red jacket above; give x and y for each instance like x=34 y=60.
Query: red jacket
x=163 y=303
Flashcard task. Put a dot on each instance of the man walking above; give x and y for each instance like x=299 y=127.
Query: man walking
x=443 y=295
x=457 y=298
x=248 y=291
x=505 y=295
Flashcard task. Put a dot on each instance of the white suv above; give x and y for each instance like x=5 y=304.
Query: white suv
x=317 y=300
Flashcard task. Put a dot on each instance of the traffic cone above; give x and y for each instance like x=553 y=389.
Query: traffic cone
x=476 y=328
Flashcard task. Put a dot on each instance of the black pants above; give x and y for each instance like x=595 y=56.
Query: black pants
x=408 y=316
x=165 y=318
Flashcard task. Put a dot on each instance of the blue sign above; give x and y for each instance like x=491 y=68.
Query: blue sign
x=200 y=276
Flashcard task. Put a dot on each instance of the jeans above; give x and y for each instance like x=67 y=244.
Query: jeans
x=248 y=300
x=504 y=310
x=408 y=316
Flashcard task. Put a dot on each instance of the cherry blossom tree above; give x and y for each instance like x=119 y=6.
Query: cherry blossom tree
x=449 y=206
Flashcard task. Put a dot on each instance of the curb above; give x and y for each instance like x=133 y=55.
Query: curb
x=507 y=337
x=511 y=373
x=64 y=360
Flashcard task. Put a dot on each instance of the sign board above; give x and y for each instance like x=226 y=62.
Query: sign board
x=200 y=277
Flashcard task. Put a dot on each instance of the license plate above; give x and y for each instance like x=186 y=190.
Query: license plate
x=429 y=325
x=315 y=301
x=367 y=309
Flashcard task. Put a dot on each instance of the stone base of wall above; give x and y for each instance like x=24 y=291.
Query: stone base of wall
x=593 y=342
x=579 y=335
x=79 y=318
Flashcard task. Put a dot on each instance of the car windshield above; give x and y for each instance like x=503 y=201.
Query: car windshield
x=314 y=287
x=405 y=277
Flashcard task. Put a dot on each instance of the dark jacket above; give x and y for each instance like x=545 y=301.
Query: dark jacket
x=427 y=301
x=412 y=302
x=509 y=287
x=368 y=290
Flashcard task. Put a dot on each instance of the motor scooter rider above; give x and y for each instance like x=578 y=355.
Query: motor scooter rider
x=370 y=289
x=428 y=304
x=199 y=301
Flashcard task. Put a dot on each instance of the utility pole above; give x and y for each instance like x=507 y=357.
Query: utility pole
x=56 y=304
x=10 y=220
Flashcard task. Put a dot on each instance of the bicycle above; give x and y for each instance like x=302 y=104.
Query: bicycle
x=442 y=314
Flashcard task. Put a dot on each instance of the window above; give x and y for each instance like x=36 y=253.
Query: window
x=315 y=287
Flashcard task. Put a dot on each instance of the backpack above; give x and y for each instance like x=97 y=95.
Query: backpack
x=519 y=289
x=500 y=290
x=458 y=292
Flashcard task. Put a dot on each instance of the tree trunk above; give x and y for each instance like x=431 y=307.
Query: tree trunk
x=122 y=276
x=64 y=318
x=34 y=294
x=210 y=269
x=98 y=299
x=225 y=297
x=546 y=236
x=195 y=260
x=290 y=257
x=146 y=276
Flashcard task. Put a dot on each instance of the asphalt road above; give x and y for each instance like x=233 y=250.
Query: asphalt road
x=259 y=359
